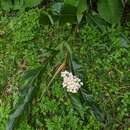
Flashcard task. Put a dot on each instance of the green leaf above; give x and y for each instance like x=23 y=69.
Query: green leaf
x=30 y=73
x=18 y=4
x=74 y=65
x=96 y=22
x=77 y=104
x=45 y=18
x=56 y=8
x=109 y=10
x=92 y=105
x=124 y=41
x=68 y=10
x=5 y=5
x=72 y=2
x=67 y=14
x=17 y=112
x=32 y=3
x=82 y=6
x=71 y=11
x=27 y=93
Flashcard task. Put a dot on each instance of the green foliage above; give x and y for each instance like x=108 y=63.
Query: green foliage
x=18 y=4
x=56 y=112
x=108 y=73
x=27 y=93
x=70 y=10
x=30 y=20
x=99 y=58
x=4 y=110
x=111 y=11
x=80 y=5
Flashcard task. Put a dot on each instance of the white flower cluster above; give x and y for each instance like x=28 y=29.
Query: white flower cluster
x=71 y=82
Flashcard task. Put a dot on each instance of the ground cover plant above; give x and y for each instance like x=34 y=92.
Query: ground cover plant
x=34 y=50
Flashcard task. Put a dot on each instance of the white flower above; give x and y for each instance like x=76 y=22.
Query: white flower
x=71 y=82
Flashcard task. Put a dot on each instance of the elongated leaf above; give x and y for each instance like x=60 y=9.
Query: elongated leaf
x=30 y=73
x=18 y=4
x=26 y=95
x=74 y=65
x=56 y=8
x=45 y=18
x=32 y=3
x=92 y=105
x=110 y=10
x=72 y=2
x=124 y=41
x=77 y=104
x=17 y=112
x=67 y=14
x=5 y=5
x=82 y=6
x=68 y=11
x=96 y=22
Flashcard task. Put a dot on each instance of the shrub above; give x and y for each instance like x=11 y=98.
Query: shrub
x=100 y=59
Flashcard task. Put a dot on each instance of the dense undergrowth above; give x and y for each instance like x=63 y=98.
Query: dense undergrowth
x=101 y=59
